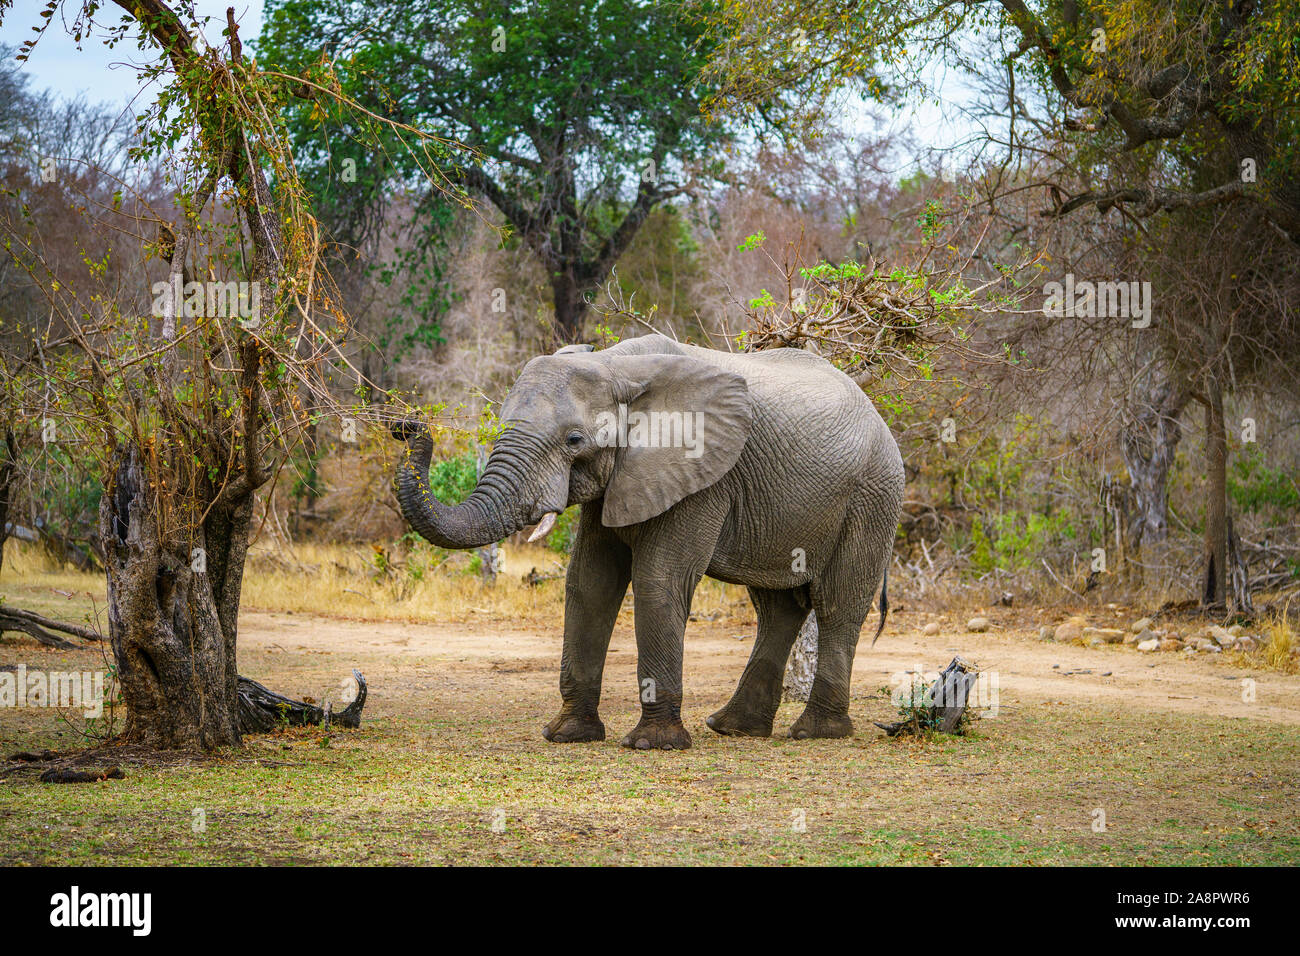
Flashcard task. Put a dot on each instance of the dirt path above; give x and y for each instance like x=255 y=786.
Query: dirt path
x=1029 y=672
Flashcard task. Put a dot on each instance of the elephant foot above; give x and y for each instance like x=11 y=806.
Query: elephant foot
x=732 y=721
x=658 y=735
x=572 y=729
x=814 y=725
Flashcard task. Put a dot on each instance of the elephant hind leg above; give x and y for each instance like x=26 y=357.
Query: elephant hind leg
x=842 y=598
x=752 y=707
x=827 y=711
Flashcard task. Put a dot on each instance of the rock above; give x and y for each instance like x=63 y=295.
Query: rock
x=1146 y=647
x=1070 y=631
x=1095 y=636
x=1245 y=643
x=978 y=624
x=1235 y=630
x=931 y=629
x=1144 y=635
x=1219 y=636
x=1171 y=644
x=1047 y=633
x=1137 y=627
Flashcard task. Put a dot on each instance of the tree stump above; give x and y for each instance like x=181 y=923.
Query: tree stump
x=943 y=704
x=802 y=666
x=262 y=710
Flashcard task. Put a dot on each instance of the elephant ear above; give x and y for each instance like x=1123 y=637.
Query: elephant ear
x=680 y=426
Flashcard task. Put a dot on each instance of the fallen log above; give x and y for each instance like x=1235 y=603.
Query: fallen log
x=262 y=710
x=533 y=578
x=12 y=622
x=27 y=756
x=39 y=626
x=68 y=775
x=942 y=706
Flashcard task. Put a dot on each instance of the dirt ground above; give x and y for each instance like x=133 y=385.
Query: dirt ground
x=1095 y=755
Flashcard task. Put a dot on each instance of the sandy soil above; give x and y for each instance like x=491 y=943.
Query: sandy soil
x=525 y=662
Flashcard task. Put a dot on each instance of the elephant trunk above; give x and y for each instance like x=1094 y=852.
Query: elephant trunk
x=484 y=518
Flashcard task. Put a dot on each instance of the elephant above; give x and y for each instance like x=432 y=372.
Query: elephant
x=767 y=469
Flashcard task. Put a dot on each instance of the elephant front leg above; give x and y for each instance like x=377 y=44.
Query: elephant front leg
x=661 y=612
x=596 y=582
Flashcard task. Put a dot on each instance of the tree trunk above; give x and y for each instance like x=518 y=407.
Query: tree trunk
x=171 y=613
x=1148 y=441
x=1216 y=504
x=570 y=306
x=8 y=478
x=490 y=556
x=1238 y=574
x=802 y=666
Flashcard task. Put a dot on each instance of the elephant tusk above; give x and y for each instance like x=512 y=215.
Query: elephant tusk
x=544 y=526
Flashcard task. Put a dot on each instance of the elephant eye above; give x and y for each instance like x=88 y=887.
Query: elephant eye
x=575 y=439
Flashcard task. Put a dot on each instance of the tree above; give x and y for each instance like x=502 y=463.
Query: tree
x=585 y=115
x=1180 y=118
x=186 y=385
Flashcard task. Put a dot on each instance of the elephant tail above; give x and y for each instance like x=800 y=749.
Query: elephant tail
x=884 y=604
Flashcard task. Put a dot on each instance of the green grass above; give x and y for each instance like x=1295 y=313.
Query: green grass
x=450 y=741
x=404 y=790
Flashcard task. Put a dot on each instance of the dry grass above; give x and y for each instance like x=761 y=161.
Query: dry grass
x=355 y=582
x=1278 y=650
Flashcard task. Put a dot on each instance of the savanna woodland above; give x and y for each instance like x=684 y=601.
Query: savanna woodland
x=264 y=329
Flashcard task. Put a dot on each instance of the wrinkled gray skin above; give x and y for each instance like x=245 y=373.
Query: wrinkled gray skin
x=796 y=495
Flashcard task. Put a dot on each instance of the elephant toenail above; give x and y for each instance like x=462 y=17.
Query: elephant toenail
x=643 y=744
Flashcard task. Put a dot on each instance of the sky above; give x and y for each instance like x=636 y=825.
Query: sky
x=102 y=75
x=94 y=71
